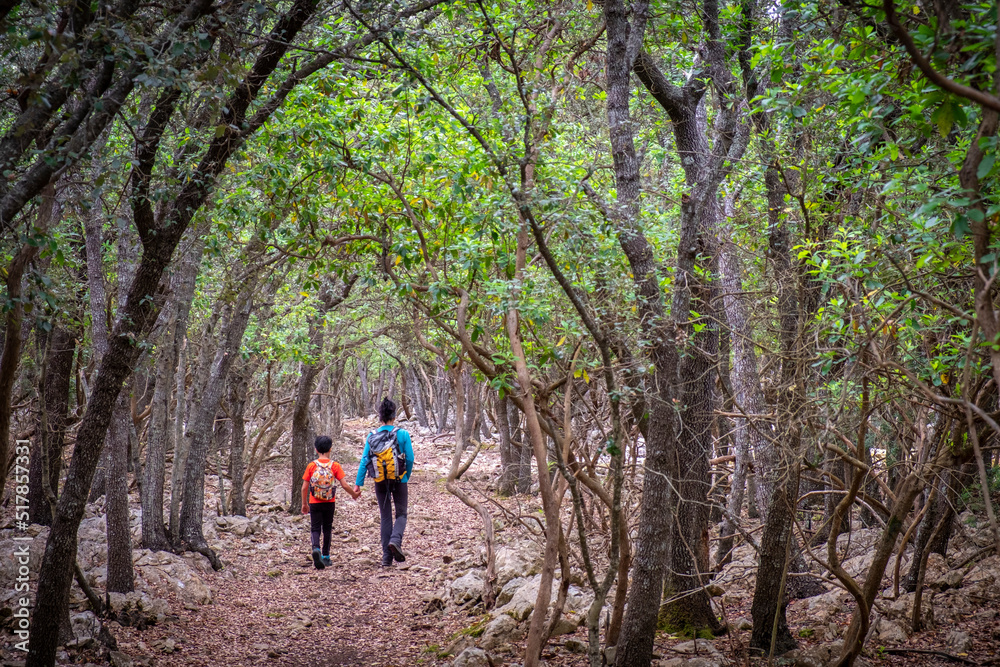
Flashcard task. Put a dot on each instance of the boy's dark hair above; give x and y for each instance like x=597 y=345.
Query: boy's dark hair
x=386 y=410
x=323 y=444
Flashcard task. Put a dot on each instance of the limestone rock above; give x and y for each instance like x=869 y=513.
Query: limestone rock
x=182 y=575
x=890 y=632
x=119 y=659
x=467 y=587
x=522 y=602
x=902 y=609
x=690 y=662
x=814 y=656
x=741 y=623
x=500 y=632
x=521 y=559
x=473 y=657
x=697 y=647
x=824 y=607
x=86 y=628
x=568 y=623
x=508 y=590
x=137 y=609
x=237 y=525
x=959 y=641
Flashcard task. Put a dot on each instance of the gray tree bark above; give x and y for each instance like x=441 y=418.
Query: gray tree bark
x=508 y=469
x=46 y=463
x=154 y=535
x=417 y=395
x=237 y=408
x=121 y=575
x=236 y=319
x=163 y=430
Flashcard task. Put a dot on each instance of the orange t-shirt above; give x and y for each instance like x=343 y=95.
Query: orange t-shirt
x=338 y=473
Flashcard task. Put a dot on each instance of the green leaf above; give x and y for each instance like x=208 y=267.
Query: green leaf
x=986 y=165
x=960 y=226
x=944 y=116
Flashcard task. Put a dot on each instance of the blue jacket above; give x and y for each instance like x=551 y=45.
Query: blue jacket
x=405 y=445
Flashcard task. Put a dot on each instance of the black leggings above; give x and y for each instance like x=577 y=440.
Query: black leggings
x=390 y=494
x=321 y=518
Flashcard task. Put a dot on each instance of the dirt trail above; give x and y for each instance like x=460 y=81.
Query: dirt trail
x=271 y=606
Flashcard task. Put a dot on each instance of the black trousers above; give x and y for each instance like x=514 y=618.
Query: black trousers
x=321 y=518
x=390 y=494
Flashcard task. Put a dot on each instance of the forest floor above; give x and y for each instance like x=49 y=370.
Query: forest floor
x=270 y=606
x=275 y=608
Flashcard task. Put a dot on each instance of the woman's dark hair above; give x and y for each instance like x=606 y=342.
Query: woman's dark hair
x=386 y=410
x=323 y=444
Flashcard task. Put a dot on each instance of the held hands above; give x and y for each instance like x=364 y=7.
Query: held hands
x=357 y=492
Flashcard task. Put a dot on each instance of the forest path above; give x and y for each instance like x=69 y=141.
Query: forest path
x=271 y=606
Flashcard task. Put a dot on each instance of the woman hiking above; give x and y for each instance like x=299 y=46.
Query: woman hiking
x=388 y=459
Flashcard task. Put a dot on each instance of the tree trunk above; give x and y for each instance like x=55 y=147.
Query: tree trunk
x=443 y=399
x=536 y=627
x=223 y=432
x=907 y=491
x=508 y=469
x=454 y=473
x=473 y=410
x=364 y=403
x=750 y=437
x=237 y=408
x=163 y=432
x=752 y=486
x=98 y=301
x=301 y=447
x=417 y=396
x=337 y=407
x=691 y=611
x=154 y=535
x=46 y=464
x=180 y=441
x=521 y=451
x=121 y=575
x=237 y=317
x=770 y=600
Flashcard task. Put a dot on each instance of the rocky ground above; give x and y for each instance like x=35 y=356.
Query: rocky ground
x=269 y=606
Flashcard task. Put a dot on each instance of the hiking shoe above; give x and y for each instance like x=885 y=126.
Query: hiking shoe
x=318 y=559
x=387 y=561
x=326 y=561
x=397 y=552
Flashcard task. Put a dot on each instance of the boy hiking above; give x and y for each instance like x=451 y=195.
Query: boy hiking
x=388 y=459
x=319 y=498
